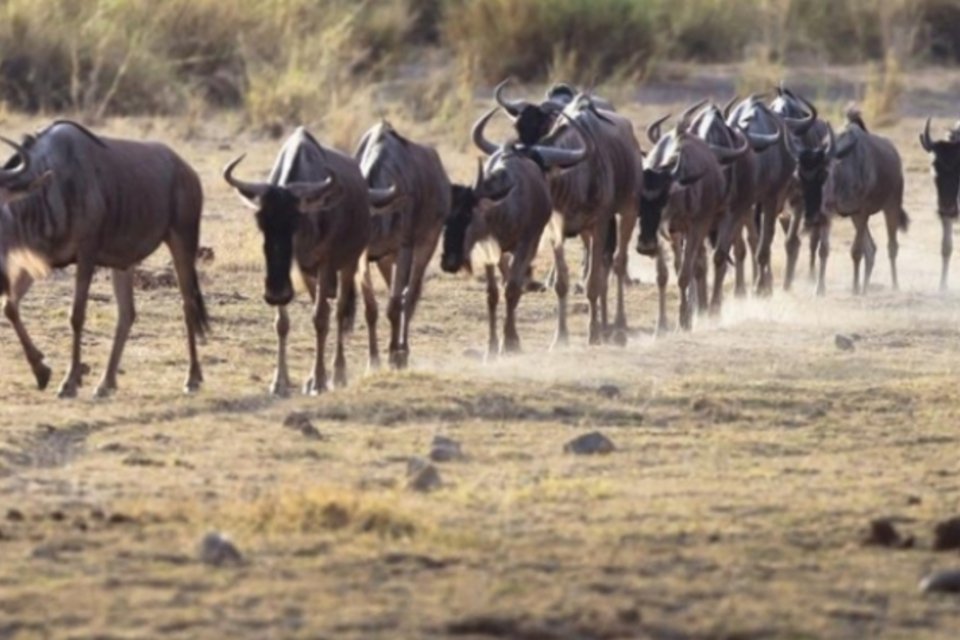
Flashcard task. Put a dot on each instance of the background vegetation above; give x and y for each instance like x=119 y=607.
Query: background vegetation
x=287 y=60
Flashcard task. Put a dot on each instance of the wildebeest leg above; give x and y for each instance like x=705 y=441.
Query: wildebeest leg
x=792 y=245
x=857 y=249
x=596 y=282
x=398 y=284
x=561 y=286
x=691 y=247
x=513 y=290
x=730 y=227
x=184 y=252
x=823 y=240
x=280 y=386
x=627 y=223
x=73 y=379
x=370 y=315
x=740 y=258
x=126 y=315
x=946 y=249
x=869 y=252
x=493 y=296
x=317 y=383
x=663 y=277
x=11 y=308
x=753 y=241
x=892 y=218
x=346 y=310
x=768 y=226
x=411 y=297
x=700 y=278
x=814 y=247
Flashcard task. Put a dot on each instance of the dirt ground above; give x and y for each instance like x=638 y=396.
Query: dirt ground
x=751 y=454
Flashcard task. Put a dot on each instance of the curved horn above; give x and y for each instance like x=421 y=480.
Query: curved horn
x=729 y=106
x=513 y=107
x=307 y=191
x=653 y=131
x=685 y=116
x=800 y=126
x=925 y=139
x=10 y=174
x=380 y=198
x=726 y=155
x=479 y=179
x=249 y=190
x=763 y=141
x=557 y=157
x=478 y=137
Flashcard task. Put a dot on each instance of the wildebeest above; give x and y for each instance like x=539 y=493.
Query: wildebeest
x=684 y=189
x=946 y=177
x=795 y=112
x=110 y=203
x=854 y=175
x=775 y=171
x=592 y=195
x=314 y=212
x=505 y=211
x=709 y=125
x=404 y=236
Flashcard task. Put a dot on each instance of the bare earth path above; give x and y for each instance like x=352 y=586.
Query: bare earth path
x=751 y=454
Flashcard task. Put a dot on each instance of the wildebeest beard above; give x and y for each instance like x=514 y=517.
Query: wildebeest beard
x=946 y=176
x=278 y=219
x=656 y=193
x=533 y=124
x=812 y=172
x=455 y=228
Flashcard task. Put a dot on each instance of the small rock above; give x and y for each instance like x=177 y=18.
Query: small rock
x=58 y=516
x=914 y=500
x=444 y=449
x=301 y=422
x=844 y=343
x=947 y=535
x=882 y=533
x=14 y=515
x=217 y=550
x=589 y=444
x=941 y=581
x=422 y=476
x=609 y=391
x=120 y=518
x=629 y=615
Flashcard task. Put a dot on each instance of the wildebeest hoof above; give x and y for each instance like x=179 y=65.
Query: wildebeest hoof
x=314 y=388
x=373 y=364
x=280 y=388
x=42 y=373
x=619 y=337
x=560 y=341
x=399 y=358
x=104 y=390
x=578 y=289
x=191 y=386
x=340 y=378
x=68 y=389
x=511 y=347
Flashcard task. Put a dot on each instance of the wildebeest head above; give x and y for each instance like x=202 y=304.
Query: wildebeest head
x=16 y=183
x=467 y=203
x=797 y=112
x=550 y=158
x=278 y=212
x=813 y=169
x=946 y=169
x=531 y=121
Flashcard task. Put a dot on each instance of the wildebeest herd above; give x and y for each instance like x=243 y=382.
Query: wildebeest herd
x=718 y=182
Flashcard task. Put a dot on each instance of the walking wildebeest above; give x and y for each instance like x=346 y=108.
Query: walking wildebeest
x=946 y=177
x=314 y=212
x=505 y=211
x=110 y=203
x=592 y=195
x=404 y=237
x=854 y=175
x=685 y=189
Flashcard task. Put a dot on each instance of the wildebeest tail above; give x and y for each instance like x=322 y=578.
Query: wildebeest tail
x=904 y=222
x=611 y=245
x=349 y=305
x=199 y=306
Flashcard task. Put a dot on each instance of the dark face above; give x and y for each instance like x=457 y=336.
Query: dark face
x=533 y=124
x=656 y=193
x=812 y=170
x=946 y=175
x=278 y=218
x=455 y=229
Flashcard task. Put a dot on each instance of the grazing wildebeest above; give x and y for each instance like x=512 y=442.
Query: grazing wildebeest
x=775 y=170
x=946 y=177
x=110 y=203
x=404 y=236
x=314 y=211
x=684 y=189
x=505 y=211
x=709 y=125
x=794 y=110
x=591 y=196
x=853 y=175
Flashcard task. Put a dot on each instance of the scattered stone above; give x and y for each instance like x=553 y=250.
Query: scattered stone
x=301 y=422
x=147 y=280
x=947 y=535
x=610 y=391
x=97 y=514
x=205 y=255
x=422 y=476
x=629 y=615
x=941 y=582
x=58 y=516
x=217 y=550
x=80 y=524
x=844 y=343
x=14 y=515
x=444 y=449
x=882 y=533
x=589 y=444
x=120 y=518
